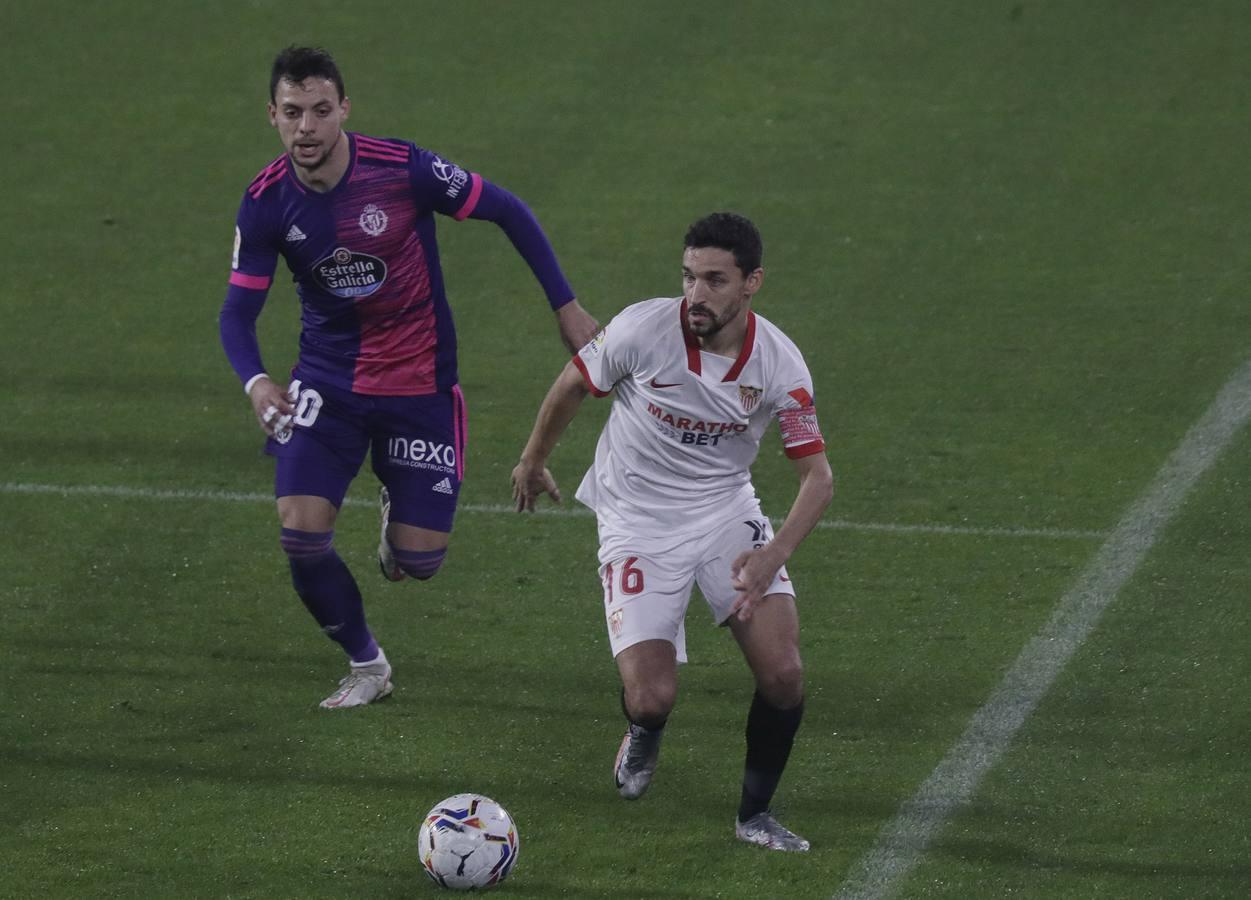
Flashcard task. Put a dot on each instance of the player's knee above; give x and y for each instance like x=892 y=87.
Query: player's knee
x=783 y=684
x=419 y=564
x=650 y=703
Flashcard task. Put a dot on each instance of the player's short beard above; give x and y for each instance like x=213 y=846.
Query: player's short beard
x=713 y=323
x=321 y=160
x=709 y=327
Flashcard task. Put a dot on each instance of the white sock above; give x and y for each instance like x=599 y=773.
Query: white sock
x=380 y=658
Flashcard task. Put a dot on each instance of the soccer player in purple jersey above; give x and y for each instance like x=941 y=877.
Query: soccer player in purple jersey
x=353 y=216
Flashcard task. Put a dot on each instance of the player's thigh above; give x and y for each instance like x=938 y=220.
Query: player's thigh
x=650 y=667
x=418 y=448
x=645 y=601
x=733 y=536
x=770 y=644
x=325 y=449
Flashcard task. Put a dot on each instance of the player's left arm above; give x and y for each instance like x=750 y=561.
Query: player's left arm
x=755 y=570
x=461 y=194
x=510 y=213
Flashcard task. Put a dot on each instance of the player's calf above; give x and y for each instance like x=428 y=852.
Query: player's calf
x=328 y=591
x=419 y=564
x=397 y=564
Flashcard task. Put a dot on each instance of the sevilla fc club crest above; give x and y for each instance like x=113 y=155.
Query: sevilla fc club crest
x=749 y=397
x=614 y=622
x=373 y=220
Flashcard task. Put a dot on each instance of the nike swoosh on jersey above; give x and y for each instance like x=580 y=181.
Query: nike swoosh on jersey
x=656 y=384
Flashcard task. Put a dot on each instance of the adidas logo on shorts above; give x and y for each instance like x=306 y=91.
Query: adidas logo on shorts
x=443 y=487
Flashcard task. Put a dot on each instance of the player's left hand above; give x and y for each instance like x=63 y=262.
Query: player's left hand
x=751 y=573
x=529 y=482
x=577 y=326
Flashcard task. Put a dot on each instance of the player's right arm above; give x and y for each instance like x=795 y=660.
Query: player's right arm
x=531 y=476
x=595 y=369
x=251 y=273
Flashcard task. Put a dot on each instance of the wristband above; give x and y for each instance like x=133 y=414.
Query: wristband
x=247 y=388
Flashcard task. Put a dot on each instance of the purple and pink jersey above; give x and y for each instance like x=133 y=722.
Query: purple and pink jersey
x=375 y=317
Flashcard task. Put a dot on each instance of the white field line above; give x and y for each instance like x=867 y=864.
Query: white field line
x=904 y=840
x=134 y=493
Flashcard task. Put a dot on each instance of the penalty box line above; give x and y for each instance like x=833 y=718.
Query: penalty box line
x=133 y=493
x=904 y=840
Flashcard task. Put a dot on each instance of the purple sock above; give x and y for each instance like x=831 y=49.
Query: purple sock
x=329 y=591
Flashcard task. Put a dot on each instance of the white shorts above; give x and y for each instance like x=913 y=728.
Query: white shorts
x=645 y=597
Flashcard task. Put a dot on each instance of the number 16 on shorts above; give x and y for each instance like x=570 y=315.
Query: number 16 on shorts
x=642 y=602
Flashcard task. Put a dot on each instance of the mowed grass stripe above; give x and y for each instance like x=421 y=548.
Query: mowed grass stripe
x=134 y=493
x=905 y=839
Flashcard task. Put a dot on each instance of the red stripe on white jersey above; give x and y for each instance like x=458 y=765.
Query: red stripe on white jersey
x=586 y=376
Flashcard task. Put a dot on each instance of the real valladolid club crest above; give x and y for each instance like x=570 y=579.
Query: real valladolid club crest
x=373 y=220
x=749 y=397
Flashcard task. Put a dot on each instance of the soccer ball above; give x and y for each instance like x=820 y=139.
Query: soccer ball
x=468 y=841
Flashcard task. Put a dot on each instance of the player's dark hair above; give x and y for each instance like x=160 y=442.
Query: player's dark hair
x=732 y=232
x=294 y=64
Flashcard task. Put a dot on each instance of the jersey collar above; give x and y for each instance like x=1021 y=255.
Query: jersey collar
x=693 y=361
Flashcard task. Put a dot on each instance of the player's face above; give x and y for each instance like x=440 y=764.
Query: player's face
x=309 y=117
x=716 y=290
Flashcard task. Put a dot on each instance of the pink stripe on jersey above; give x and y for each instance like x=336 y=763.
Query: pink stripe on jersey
x=261 y=187
x=366 y=140
x=389 y=157
x=269 y=175
x=252 y=282
x=274 y=166
x=372 y=148
x=398 y=348
x=460 y=434
x=475 y=192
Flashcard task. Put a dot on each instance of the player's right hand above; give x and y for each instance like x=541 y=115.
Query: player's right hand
x=273 y=407
x=529 y=481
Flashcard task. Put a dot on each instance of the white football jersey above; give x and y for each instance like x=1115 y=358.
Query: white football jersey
x=685 y=424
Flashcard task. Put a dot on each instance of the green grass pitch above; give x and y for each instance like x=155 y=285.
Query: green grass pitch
x=1011 y=238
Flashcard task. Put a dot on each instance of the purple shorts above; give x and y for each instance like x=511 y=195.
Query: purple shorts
x=416 y=444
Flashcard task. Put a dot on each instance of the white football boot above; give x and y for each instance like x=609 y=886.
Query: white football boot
x=765 y=831
x=364 y=684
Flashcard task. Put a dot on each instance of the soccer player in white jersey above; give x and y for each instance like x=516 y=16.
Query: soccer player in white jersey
x=695 y=381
